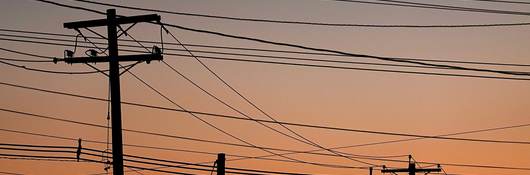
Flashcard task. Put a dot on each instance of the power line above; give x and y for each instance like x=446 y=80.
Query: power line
x=400 y=60
x=255 y=55
x=303 y=65
x=83 y=123
x=436 y=6
x=446 y=164
x=264 y=50
x=247 y=116
x=167 y=135
x=458 y=7
x=169 y=149
x=26 y=60
x=21 y=147
x=391 y=59
x=268 y=121
x=37 y=146
x=37 y=159
x=27 y=54
x=217 y=128
x=65 y=159
x=10 y=173
x=243 y=54
x=303 y=22
x=305 y=140
x=502 y=1
x=199 y=165
x=47 y=71
x=180 y=137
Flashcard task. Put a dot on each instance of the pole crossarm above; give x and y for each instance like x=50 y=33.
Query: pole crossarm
x=418 y=170
x=104 y=22
x=98 y=59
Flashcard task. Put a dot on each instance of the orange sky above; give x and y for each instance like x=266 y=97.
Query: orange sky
x=404 y=103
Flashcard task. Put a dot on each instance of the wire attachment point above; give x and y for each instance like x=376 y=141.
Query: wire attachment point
x=78 y=154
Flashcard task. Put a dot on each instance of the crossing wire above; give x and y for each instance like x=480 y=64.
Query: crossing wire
x=304 y=22
x=50 y=148
x=247 y=55
x=302 y=64
x=304 y=140
x=272 y=122
x=445 y=164
x=209 y=124
x=262 y=50
x=391 y=59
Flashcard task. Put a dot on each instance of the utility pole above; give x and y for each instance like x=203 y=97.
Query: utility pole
x=112 y=23
x=412 y=170
x=220 y=164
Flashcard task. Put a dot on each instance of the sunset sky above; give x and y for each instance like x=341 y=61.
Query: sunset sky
x=344 y=98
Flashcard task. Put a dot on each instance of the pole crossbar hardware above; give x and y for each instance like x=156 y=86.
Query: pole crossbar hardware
x=117 y=21
x=412 y=170
x=97 y=59
x=79 y=148
x=112 y=22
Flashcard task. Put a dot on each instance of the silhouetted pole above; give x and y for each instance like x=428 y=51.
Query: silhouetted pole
x=221 y=164
x=114 y=76
x=371 y=170
x=114 y=71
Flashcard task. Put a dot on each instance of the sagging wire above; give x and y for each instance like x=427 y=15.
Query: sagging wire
x=125 y=32
x=101 y=51
x=107 y=151
x=213 y=167
x=69 y=53
x=161 y=36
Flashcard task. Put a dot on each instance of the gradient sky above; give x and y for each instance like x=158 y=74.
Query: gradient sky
x=404 y=103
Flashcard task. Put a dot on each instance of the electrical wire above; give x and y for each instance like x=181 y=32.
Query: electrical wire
x=391 y=59
x=21 y=147
x=221 y=130
x=159 y=148
x=503 y=1
x=272 y=122
x=26 y=60
x=305 y=140
x=181 y=137
x=303 y=65
x=70 y=159
x=254 y=49
x=213 y=126
x=445 y=164
x=302 y=22
x=435 y=6
x=9 y=173
x=46 y=71
x=259 y=55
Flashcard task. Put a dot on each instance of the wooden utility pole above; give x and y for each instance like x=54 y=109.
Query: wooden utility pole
x=112 y=22
x=220 y=164
x=412 y=170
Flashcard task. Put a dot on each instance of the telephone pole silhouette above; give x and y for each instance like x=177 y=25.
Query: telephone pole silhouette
x=112 y=23
x=220 y=163
x=412 y=170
